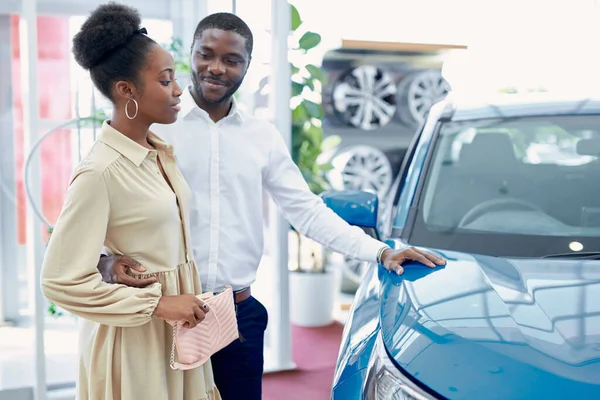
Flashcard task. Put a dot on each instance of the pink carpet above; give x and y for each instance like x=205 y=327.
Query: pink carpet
x=315 y=352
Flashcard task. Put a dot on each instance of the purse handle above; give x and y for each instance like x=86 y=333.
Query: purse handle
x=172 y=362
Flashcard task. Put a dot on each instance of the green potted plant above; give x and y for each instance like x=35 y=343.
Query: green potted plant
x=310 y=278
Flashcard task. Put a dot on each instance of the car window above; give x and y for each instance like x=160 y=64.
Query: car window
x=534 y=177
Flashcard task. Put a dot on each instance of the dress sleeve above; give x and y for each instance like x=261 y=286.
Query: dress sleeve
x=70 y=277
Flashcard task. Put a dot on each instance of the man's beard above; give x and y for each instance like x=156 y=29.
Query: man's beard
x=235 y=85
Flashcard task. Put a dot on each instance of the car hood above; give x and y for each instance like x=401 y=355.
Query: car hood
x=493 y=328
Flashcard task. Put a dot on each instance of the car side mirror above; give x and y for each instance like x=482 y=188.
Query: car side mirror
x=356 y=207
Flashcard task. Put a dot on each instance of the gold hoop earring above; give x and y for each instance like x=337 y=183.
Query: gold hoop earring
x=127 y=107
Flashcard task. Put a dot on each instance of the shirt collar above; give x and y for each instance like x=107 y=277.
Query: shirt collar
x=129 y=149
x=189 y=108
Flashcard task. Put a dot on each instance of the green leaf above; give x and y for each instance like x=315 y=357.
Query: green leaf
x=295 y=69
x=306 y=152
x=299 y=116
x=304 y=148
x=176 y=43
x=297 y=88
x=95 y=120
x=181 y=66
x=326 y=167
x=309 y=83
x=330 y=142
x=53 y=310
x=316 y=134
x=316 y=73
x=296 y=20
x=297 y=130
x=321 y=114
x=309 y=40
x=297 y=139
x=313 y=109
x=319 y=185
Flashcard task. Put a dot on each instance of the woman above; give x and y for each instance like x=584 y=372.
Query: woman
x=128 y=196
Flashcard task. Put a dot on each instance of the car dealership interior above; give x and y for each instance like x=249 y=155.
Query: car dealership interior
x=466 y=131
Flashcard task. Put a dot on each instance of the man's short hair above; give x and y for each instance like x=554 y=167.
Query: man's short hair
x=226 y=22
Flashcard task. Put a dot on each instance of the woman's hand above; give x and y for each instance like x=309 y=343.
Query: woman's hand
x=185 y=307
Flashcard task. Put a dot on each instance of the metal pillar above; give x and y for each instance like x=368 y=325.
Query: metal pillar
x=35 y=245
x=9 y=273
x=279 y=103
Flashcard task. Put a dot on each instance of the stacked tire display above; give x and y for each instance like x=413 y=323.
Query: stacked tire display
x=367 y=98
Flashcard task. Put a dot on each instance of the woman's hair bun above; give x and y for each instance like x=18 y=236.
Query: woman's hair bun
x=108 y=27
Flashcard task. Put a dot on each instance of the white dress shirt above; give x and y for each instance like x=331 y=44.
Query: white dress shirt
x=227 y=165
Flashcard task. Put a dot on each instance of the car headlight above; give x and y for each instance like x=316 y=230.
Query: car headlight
x=386 y=382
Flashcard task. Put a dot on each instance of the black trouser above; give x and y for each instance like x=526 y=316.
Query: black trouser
x=238 y=368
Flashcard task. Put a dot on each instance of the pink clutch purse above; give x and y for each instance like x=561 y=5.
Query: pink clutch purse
x=196 y=345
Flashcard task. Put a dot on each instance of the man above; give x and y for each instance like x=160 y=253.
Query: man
x=228 y=158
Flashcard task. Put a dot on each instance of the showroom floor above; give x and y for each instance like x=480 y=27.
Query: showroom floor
x=315 y=353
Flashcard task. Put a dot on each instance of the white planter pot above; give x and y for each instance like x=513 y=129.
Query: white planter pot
x=312 y=298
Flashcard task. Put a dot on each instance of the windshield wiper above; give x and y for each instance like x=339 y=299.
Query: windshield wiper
x=589 y=255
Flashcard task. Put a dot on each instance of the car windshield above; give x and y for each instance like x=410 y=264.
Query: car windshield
x=514 y=187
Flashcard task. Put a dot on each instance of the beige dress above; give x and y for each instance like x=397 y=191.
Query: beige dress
x=118 y=198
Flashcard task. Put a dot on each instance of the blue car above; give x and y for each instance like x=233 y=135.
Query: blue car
x=509 y=193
